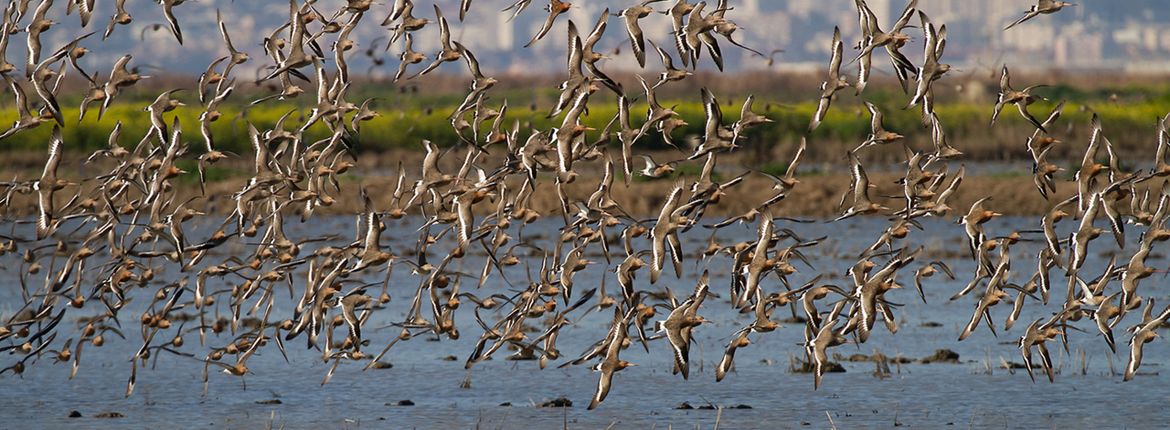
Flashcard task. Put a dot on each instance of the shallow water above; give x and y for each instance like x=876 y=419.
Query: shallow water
x=171 y=393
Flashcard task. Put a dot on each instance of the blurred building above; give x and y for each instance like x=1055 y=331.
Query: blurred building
x=1094 y=35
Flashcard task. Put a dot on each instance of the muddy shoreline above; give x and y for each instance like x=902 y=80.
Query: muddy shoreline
x=816 y=196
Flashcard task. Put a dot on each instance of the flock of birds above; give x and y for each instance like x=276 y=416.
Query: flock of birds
x=102 y=241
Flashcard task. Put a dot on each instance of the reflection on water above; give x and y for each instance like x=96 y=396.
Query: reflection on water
x=977 y=392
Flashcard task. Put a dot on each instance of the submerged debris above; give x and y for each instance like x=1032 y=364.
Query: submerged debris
x=941 y=356
x=559 y=402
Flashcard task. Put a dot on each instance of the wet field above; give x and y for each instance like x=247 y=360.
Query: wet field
x=977 y=390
